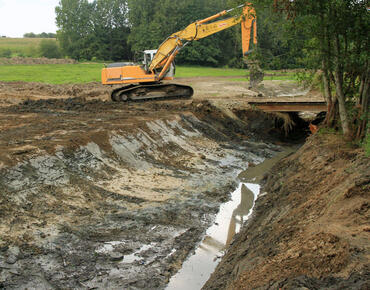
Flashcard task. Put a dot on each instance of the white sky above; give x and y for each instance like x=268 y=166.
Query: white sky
x=18 y=17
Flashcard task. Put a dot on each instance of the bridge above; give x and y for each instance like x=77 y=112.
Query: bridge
x=290 y=106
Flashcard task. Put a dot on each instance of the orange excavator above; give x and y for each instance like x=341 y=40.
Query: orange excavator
x=145 y=82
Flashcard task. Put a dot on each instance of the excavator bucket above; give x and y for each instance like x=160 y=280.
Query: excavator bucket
x=249 y=29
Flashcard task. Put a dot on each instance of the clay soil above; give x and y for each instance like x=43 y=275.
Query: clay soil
x=311 y=225
x=96 y=194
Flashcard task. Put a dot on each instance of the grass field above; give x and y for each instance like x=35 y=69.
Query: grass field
x=27 y=47
x=52 y=73
x=90 y=72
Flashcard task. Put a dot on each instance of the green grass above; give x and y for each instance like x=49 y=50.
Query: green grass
x=90 y=72
x=21 y=46
x=52 y=73
x=195 y=71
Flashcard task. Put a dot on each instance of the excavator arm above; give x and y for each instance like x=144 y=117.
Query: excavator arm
x=168 y=50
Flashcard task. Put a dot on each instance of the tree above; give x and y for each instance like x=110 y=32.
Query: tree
x=336 y=41
x=41 y=35
x=111 y=30
x=49 y=49
x=73 y=18
x=152 y=21
x=93 y=29
x=29 y=35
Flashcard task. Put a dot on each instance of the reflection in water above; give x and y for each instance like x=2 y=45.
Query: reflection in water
x=240 y=214
x=197 y=269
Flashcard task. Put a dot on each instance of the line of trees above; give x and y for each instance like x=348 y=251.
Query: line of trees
x=334 y=38
x=117 y=29
x=40 y=35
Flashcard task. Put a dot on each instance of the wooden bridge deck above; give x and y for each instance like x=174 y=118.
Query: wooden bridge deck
x=290 y=106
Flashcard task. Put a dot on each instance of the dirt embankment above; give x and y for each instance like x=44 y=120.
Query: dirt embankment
x=310 y=228
x=31 y=60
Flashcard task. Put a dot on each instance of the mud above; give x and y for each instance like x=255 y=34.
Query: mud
x=310 y=229
x=102 y=195
x=95 y=194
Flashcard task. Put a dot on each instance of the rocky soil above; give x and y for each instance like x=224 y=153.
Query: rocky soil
x=310 y=228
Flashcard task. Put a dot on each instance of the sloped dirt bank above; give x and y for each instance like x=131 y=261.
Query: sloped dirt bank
x=112 y=196
x=310 y=228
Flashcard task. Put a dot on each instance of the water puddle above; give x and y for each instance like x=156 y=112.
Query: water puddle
x=197 y=269
x=128 y=259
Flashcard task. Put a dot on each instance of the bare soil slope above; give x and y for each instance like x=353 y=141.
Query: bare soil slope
x=311 y=227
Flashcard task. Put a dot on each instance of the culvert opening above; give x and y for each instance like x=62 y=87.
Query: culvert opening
x=287 y=127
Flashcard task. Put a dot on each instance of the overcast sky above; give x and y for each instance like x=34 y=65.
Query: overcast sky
x=20 y=16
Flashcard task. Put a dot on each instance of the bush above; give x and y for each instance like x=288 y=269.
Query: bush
x=49 y=49
x=6 y=53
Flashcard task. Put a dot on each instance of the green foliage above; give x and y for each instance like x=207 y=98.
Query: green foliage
x=26 y=47
x=327 y=131
x=74 y=34
x=41 y=35
x=333 y=36
x=49 y=49
x=366 y=145
x=153 y=21
x=117 y=29
x=6 y=53
x=97 y=29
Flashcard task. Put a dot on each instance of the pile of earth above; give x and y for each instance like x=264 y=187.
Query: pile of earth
x=31 y=60
x=310 y=229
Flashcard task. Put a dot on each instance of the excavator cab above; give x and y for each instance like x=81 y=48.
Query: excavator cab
x=148 y=57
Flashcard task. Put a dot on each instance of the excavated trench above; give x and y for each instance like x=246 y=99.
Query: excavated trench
x=122 y=210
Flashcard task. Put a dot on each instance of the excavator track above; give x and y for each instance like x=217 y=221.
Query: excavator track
x=147 y=92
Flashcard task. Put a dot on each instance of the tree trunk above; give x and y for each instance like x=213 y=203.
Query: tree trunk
x=330 y=101
x=338 y=75
x=364 y=106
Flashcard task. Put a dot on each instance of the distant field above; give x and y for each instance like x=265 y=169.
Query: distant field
x=21 y=46
x=52 y=73
x=90 y=72
x=191 y=71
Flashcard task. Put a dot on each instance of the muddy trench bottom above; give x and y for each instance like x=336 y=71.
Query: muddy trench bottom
x=231 y=217
x=123 y=216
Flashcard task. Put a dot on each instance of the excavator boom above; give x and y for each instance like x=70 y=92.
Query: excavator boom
x=202 y=28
